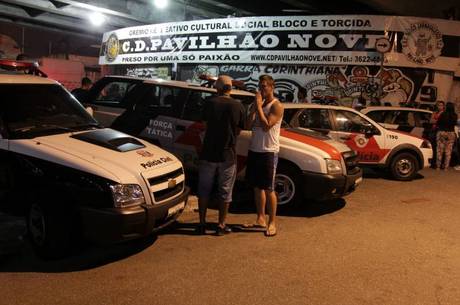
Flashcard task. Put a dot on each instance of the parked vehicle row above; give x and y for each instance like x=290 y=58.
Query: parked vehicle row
x=72 y=177
x=172 y=120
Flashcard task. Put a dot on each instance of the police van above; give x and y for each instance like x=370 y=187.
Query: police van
x=72 y=178
x=168 y=113
x=399 y=152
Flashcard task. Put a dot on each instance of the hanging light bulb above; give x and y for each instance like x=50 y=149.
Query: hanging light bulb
x=161 y=4
x=97 y=18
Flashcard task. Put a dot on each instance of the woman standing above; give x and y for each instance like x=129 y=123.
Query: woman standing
x=439 y=108
x=446 y=136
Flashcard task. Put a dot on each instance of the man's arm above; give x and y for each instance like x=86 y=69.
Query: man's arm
x=275 y=115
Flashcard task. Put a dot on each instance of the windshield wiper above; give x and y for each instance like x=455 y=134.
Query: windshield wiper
x=45 y=127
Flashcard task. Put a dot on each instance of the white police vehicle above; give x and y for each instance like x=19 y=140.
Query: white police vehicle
x=399 y=152
x=71 y=177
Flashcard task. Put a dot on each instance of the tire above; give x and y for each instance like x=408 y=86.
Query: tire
x=287 y=186
x=404 y=166
x=49 y=231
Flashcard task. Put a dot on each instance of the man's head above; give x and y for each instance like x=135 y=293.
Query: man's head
x=86 y=83
x=223 y=84
x=266 y=86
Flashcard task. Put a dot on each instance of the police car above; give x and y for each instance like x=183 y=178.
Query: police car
x=403 y=154
x=168 y=113
x=71 y=177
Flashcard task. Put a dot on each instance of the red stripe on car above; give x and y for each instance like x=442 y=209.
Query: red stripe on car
x=331 y=150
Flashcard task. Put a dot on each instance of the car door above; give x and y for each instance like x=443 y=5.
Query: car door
x=109 y=98
x=190 y=129
x=162 y=106
x=317 y=119
x=359 y=134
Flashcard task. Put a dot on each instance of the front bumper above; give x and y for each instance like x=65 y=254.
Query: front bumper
x=324 y=187
x=114 y=225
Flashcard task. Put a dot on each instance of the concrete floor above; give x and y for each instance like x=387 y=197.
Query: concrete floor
x=387 y=243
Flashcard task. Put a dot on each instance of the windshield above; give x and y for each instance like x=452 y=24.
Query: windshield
x=41 y=109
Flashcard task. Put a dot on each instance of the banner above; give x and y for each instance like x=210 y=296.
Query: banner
x=296 y=40
x=342 y=85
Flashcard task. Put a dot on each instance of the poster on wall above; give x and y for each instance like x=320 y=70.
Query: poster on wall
x=296 y=40
x=341 y=85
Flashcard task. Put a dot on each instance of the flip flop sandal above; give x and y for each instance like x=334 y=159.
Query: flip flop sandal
x=271 y=232
x=253 y=226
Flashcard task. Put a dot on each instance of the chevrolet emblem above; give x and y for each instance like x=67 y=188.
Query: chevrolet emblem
x=171 y=183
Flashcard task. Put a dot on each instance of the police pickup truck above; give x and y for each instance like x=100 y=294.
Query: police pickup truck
x=72 y=178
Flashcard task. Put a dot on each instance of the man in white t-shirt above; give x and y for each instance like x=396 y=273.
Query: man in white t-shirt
x=263 y=152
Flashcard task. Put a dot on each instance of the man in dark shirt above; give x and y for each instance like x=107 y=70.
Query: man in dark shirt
x=80 y=93
x=224 y=117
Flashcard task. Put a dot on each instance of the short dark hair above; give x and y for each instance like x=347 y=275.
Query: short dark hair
x=268 y=79
x=86 y=81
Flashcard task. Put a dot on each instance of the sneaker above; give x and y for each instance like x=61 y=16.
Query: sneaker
x=223 y=231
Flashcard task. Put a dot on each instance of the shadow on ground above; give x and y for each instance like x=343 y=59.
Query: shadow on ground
x=87 y=257
x=380 y=173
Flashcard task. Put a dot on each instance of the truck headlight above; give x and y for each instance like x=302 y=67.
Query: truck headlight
x=127 y=195
x=333 y=166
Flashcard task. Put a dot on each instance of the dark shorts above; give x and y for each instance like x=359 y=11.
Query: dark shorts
x=221 y=174
x=261 y=169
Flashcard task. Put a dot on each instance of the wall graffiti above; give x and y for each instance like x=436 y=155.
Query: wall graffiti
x=341 y=85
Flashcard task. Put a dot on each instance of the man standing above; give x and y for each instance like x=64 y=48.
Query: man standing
x=80 y=93
x=263 y=152
x=224 y=117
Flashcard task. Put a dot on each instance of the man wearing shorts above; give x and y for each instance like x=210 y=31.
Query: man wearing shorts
x=224 y=117
x=263 y=152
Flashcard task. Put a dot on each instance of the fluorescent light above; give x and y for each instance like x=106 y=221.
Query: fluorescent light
x=160 y=3
x=97 y=18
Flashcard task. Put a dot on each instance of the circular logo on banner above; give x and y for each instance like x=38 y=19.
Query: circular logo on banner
x=422 y=43
x=111 y=48
x=361 y=141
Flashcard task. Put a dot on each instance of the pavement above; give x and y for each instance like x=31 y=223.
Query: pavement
x=388 y=243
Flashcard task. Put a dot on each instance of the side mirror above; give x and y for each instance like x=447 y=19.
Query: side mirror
x=370 y=131
x=90 y=111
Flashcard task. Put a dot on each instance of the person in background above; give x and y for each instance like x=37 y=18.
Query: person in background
x=302 y=95
x=446 y=135
x=439 y=108
x=262 y=161
x=81 y=93
x=224 y=118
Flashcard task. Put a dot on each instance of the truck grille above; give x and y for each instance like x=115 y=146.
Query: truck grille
x=351 y=161
x=166 y=186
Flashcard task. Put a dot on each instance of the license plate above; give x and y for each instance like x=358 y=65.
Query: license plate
x=359 y=180
x=176 y=209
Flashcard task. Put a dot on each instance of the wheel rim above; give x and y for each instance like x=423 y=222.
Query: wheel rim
x=404 y=167
x=285 y=189
x=37 y=224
